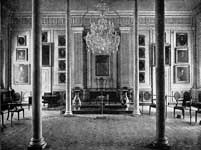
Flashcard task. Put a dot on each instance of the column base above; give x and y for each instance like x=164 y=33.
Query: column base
x=136 y=112
x=37 y=144
x=161 y=144
x=68 y=114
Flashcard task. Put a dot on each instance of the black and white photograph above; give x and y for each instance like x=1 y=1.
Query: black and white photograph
x=21 y=54
x=22 y=40
x=100 y=75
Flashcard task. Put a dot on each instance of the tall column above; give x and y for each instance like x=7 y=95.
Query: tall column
x=68 y=62
x=37 y=141
x=161 y=140
x=1 y=55
x=136 y=61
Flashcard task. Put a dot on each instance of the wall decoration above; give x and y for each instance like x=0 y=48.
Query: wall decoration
x=153 y=54
x=22 y=73
x=141 y=77
x=181 y=55
x=21 y=40
x=44 y=36
x=61 y=40
x=141 y=65
x=62 y=65
x=62 y=78
x=102 y=65
x=21 y=54
x=62 y=53
x=167 y=54
x=141 y=52
x=182 y=74
x=141 y=40
x=181 y=39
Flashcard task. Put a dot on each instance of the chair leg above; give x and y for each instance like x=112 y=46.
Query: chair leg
x=149 y=110
x=2 y=120
x=183 y=113
x=18 y=115
x=196 y=116
x=12 y=113
x=8 y=115
x=174 y=113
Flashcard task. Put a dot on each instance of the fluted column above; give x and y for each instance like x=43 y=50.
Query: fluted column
x=37 y=141
x=136 y=61
x=161 y=140
x=68 y=62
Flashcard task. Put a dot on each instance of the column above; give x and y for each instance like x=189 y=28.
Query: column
x=161 y=140
x=1 y=56
x=37 y=141
x=68 y=62
x=136 y=61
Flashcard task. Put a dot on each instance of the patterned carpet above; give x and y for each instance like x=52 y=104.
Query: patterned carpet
x=89 y=132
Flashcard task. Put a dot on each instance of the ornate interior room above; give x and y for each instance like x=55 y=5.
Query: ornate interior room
x=99 y=56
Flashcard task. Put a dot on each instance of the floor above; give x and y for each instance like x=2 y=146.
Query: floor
x=93 y=132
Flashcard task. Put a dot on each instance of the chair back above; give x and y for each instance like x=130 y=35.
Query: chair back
x=186 y=98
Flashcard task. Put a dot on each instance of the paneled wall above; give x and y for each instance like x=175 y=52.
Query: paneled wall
x=120 y=64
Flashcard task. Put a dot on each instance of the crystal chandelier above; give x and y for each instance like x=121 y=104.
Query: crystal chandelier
x=102 y=37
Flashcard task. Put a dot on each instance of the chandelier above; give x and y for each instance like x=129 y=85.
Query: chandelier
x=102 y=37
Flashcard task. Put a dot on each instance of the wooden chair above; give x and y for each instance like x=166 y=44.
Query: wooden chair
x=15 y=106
x=182 y=102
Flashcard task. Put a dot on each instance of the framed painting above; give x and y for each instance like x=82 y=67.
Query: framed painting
x=181 y=55
x=44 y=36
x=102 y=65
x=61 y=40
x=62 y=77
x=21 y=54
x=182 y=74
x=141 y=52
x=141 y=40
x=141 y=77
x=141 y=65
x=62 y=65
x=181 y=39
x=22 y=73
x=61 y=53
x=21 y=40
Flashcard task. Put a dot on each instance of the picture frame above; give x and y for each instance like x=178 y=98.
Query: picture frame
x=22 y=54
x=141 y=77
x=141 y=65
x=62 y=77
x=62 y=65
x=21 y=40
x=61 y=40
x=141 y=52
x=61 y=53
x=102 y=65
x=182 y=55
x=141 y=40
x=182 y=73
x=22 y=73
x=44 y=36
x=181 y=39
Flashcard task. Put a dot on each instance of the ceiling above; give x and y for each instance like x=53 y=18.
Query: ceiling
x=144 y=5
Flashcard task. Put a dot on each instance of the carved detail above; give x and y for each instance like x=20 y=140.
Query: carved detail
x=85 y=21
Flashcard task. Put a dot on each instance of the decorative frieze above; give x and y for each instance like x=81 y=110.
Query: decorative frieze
x=122 y=21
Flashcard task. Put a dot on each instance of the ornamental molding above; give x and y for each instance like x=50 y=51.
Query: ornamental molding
x=84 y=21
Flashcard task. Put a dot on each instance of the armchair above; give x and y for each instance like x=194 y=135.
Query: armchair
x=15 y=106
